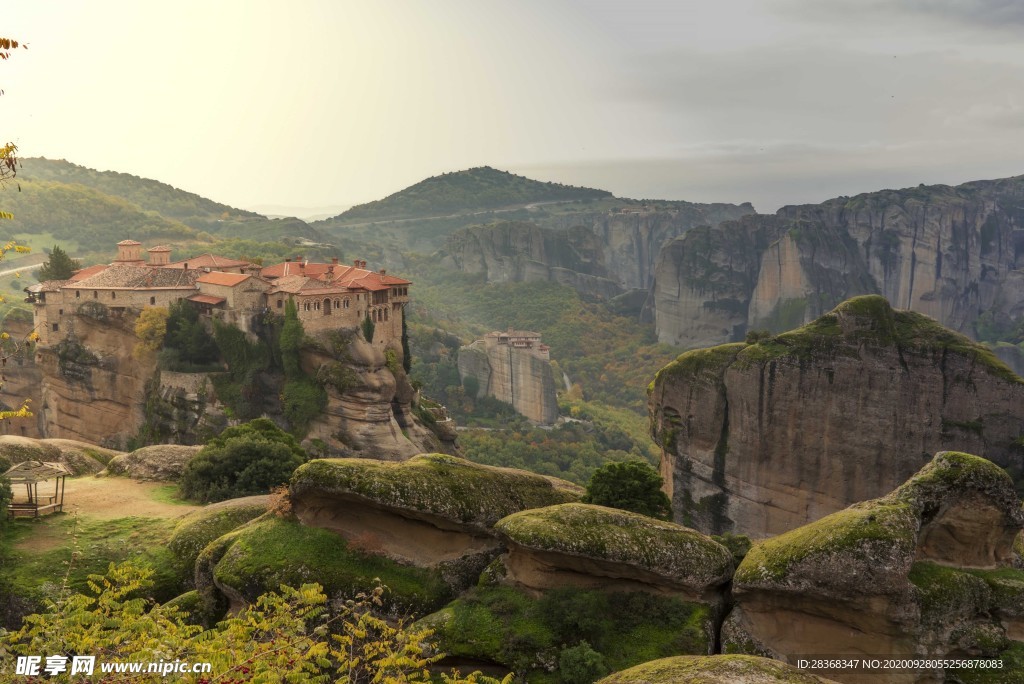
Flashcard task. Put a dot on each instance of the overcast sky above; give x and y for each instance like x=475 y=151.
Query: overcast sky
x=312 y=104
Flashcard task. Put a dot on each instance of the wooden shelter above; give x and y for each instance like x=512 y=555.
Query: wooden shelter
x=30 y=474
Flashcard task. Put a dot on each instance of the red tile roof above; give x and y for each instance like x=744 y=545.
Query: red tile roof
x=84 y=273
x=220 y=278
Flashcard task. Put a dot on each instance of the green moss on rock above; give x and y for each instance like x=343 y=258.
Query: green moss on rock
x=437 y=484
x=199 y=528
x=508 y=626
x=947 y=595
x=272 y=551
x=707 y=364
x=672 y=551
x=721 y=669
x=862 y=543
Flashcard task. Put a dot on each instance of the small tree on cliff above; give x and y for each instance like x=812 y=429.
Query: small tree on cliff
x=59 y=266
x=630 y=486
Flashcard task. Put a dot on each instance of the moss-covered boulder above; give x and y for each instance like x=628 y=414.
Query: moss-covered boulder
x=916 y=572
x=720 y=669
x=434 y=510
x=81 y=458
x=260 y=556
x=586 y=545
x=197 y=529
x=536 y=635
x=164 y=462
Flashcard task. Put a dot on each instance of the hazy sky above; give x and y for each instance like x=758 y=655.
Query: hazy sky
x=324 y=103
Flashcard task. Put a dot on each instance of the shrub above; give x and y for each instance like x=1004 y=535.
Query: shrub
x=630 y=486
x=244 y=460
x=368 y=329
x=580 y=664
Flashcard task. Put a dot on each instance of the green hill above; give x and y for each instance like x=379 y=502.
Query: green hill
x=472 y=190
x=164 y=201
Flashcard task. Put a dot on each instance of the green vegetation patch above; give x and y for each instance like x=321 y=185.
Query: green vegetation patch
x=1012 y=671
x=712 y=670
x=443 y=485
x=947 y=594
x=64 y=546
x=505 y=625
x=709 y=363
x=273 y=551
x=197 y=529
x=675 y=552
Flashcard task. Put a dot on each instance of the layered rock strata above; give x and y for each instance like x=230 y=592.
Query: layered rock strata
x=922 y=572
x=761 y=438
x=949 y=252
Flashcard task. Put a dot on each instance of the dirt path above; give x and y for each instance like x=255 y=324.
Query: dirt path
x=119 y=497
x=103 y=498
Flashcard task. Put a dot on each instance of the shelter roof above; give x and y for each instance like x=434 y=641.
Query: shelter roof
x=206 y=299
x=36 y=471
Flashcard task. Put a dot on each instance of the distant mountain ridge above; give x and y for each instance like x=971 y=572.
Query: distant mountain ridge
x=475 y=189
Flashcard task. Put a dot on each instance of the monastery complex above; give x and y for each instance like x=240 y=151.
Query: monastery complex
x=327 y=295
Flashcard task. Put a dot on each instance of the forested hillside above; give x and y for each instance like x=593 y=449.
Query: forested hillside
x=466 y=191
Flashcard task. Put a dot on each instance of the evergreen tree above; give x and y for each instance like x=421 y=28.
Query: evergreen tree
x=630 y=486
x=406 y=353
x=59 y=266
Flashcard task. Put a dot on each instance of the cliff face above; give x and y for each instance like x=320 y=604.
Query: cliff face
x=764 y=437
x=92 y=387
x=515 y=376
x=601 y=254
x=948 y=252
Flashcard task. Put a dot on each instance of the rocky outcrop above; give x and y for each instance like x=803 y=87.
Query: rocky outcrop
x=761 y=438
x=722 y=669
x=922 y=572
x=162 y=462
x=194 y=531
x=369 y=399
x=93 y=389
x=79 y=457
x=590 y=546
x=432 y=511
x=21 y=377
x=515 y=376
x=601 y=254
x=948 y=252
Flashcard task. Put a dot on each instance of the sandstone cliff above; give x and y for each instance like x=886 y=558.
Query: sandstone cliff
x=760 y=438
x=602 y=254
x=948 y=252
x=515 y=376
x=923 y=572
x=93 y=387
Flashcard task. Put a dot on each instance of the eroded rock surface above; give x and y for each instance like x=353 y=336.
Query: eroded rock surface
x=158 y=462
x=924 y=571
x=432 y=511
x=81 y=458
x=949 y=252
x=761 y=438
x=591 y=546
x=515 y=376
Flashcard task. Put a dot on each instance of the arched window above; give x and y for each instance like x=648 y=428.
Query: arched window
x=152 y=300
x=327 y=307
x=316 y=305
x=346 y=302
x=113 y=295
x=78 y=293
x=306 y=306
x=95 y=294
x=337 y=303
x=385 y=314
